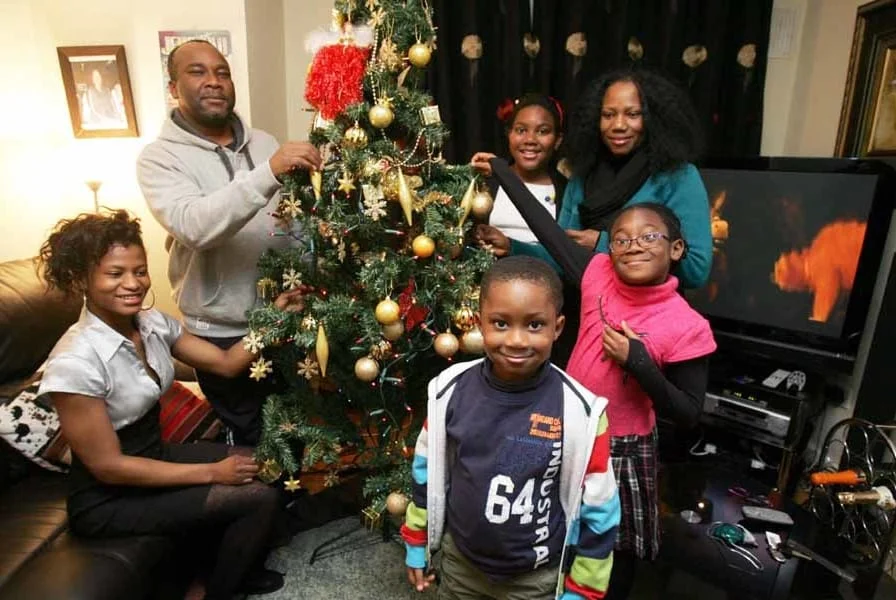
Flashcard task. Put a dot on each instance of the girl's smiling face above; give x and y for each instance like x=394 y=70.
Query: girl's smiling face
x=533 y=138
x=640 y=247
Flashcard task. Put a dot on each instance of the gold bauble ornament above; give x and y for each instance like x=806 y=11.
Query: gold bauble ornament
x=366 y=369
x=481 y=205
x=393 y=331
x=309 y=323
x=397 y=504
x=423 y=246
x=471 y=341
x=464 y=318
x=380 y=115
x=354 y=137
x=387 y=311
x=466 y=203
x=419 y=55
x=446 y=345
x=322 y=350
x=269 y=471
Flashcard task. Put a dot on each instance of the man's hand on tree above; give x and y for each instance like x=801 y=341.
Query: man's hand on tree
x=294 y=155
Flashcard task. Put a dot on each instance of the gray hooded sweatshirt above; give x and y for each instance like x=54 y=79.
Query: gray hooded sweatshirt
x=216 y=204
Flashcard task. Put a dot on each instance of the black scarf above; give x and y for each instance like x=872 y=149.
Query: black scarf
x=609 y=186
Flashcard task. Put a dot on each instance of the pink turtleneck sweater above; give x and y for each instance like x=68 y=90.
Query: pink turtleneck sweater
x=671 y=331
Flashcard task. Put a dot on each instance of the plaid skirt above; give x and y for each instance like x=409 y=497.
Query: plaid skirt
x=634 y=459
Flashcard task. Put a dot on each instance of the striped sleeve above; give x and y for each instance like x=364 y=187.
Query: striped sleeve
x=414 y=529
x=600 y=512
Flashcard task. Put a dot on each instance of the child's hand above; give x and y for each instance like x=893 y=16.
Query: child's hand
x=293 y=300
x=494 y=238
x=419 y=579
x=480 y=163
x=587 y=238
x=616 y=344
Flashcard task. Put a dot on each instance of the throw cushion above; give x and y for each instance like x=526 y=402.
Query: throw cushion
x=186 y=417
x=30 y=425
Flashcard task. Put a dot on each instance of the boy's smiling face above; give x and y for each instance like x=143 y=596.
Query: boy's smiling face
x=520 y=323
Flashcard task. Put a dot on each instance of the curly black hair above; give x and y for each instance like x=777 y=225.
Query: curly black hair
x=672 y=134
x=525 y=268
x=77 y=245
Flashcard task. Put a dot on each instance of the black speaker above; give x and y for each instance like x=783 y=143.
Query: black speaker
x=876 y=401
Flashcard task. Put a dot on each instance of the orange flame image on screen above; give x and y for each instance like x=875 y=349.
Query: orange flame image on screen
x=826 y=268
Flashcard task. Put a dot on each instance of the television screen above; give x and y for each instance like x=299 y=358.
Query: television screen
x=786 y=249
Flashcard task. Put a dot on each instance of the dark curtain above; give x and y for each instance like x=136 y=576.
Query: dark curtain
x=715 y=48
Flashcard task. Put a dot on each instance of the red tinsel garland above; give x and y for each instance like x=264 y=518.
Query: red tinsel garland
x=335 y=77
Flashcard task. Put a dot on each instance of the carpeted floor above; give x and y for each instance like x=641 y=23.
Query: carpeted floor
x=359 y=566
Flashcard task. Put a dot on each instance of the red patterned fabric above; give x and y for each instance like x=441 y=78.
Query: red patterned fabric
x=186 y=417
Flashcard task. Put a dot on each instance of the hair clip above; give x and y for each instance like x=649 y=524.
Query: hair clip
x=505 y=109
x=558 y=107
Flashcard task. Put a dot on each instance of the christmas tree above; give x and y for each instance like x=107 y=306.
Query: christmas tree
x=381 y=236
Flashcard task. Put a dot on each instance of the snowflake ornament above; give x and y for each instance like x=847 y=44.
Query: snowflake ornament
x=253 y=342
x=288 y=427
x=292 y=485
x=291 y=279
x=340 y=251
x=308 y=368
x=290 y=207
x=260 y=369
x=376 y=208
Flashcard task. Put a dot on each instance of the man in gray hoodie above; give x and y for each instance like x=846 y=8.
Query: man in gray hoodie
x=212 y=183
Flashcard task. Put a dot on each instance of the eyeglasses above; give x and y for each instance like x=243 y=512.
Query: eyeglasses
x=647 y=240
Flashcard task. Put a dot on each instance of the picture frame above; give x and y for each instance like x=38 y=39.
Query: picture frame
x=98 y=91
x=868 y=115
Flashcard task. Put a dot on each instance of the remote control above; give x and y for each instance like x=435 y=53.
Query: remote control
x=775 y=379
x=767 y=515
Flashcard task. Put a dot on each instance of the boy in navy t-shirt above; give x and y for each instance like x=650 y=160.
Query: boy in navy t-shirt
x=511 y=470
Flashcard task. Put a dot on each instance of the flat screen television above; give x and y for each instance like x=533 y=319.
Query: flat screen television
x=797 y=244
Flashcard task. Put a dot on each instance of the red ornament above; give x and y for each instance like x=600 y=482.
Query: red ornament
x=335 y=77
x=412 y=313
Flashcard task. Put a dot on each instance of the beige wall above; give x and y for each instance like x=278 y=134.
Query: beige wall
x=300 y=17
x=265 y=36
x=42 y=166
x=804 y=91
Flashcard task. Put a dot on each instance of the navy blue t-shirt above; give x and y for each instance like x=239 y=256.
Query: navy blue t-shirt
x=504 y=509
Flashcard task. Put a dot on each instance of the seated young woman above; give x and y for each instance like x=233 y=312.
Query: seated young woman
x=105 y=377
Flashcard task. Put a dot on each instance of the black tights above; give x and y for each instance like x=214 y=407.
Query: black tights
x=238 y=517
x=622 y=577
x=246 y=514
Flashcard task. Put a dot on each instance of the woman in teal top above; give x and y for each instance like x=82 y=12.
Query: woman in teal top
x=641 y=151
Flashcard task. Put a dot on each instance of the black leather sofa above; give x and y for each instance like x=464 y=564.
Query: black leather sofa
x=39 y=557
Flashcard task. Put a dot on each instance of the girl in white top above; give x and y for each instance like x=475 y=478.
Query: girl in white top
x=105 y=377
x=534 y=132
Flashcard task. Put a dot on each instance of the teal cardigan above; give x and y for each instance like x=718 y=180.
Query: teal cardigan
x=682 y=190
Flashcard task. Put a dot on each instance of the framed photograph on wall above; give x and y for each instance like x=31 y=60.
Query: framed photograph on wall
x=98 y=91
x=868 y=117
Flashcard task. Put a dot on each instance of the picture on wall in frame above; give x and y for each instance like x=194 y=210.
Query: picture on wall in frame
x=868 y=116
x=98 y=91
